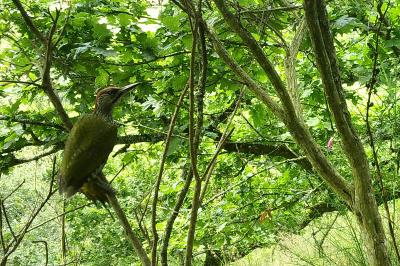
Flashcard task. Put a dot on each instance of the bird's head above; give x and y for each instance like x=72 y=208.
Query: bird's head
x=108 y=97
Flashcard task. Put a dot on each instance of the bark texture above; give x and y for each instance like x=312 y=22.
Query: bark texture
x=364 y=204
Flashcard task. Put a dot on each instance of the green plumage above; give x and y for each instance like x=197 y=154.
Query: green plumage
x=90 y=142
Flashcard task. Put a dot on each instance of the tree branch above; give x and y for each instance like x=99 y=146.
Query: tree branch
x=46 y=79
x=364 y=204
x=149 y=61
x=46 y=250
x=290 y=66
x=20 y=82
x=259 y=55
x=13 y=245
x=160 y=173
x=132 y=238
x=187 y=173
x=295 y=125
x=29 y=22
x=193 y=142
x=274 y=9
x=29 y=121
x=251 y=84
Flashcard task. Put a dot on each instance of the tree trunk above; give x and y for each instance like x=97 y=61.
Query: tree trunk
x=364 y=205
x=372 y=233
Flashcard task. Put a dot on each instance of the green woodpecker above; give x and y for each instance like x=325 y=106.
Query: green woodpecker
x=89 y=143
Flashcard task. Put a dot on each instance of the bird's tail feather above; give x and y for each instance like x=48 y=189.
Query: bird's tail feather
x=97 y=188
x=64 y=189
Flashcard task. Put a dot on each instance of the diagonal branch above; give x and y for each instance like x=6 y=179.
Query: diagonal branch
x=327 y=65
x=259 y=55
x=29 y=22
x=371 y=87
x=132 y=238
x=46 y=78
x=17 y=241
x=296 y=127
x=3 y=245
x=188 y=175
x=45 y=248
x=20 y=82
x=226 y=135
x=251 y=84
x=290 y=66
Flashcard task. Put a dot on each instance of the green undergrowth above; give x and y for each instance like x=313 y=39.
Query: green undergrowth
x=333 y=239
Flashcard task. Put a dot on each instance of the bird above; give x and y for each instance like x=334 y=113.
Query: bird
x=88 y=146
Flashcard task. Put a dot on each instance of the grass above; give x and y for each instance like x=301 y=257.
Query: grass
x=330 y=240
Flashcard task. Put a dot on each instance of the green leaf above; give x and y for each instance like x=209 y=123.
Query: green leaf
x=187 y=41
x=173 y=145
x=391 y=43
x=124 y=19
x=10 y=140
x=78 y=20
x=170 y=22
x=129 y=157
x=180 y=81
x=82 y=49
x=258 y=114
x=313 y=121
x=347 y=24
x=100 y=31
x=14 y=107
x=104 y=52
x=102 y=78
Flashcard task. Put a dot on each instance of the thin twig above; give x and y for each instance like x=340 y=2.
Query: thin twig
x=248 y=178
x=8 y=222
x=187 y=174
x=3 y=245
x=224 y=137
x=15 y=189
x=46 y=249
x=13 y=245
x=119 y=171
x=160 y=173
x=192 y=141
x=58 y=216
x=145 y=62
x=46 y=79
x=20 y=82
x=211 y=165
x=63 y=234
x=37 y=157
x=142 y=227
x=17 y=119
x=64 y=26
x=270 y=10
x=379 y=175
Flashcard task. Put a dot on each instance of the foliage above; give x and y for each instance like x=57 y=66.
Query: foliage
x=254 y=195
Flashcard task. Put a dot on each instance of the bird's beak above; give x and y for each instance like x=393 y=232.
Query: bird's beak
x=128 y=88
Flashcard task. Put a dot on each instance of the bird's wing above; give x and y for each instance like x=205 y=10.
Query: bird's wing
x=90 y=142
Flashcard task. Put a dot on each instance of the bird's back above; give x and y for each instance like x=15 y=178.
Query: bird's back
x=89 y=143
